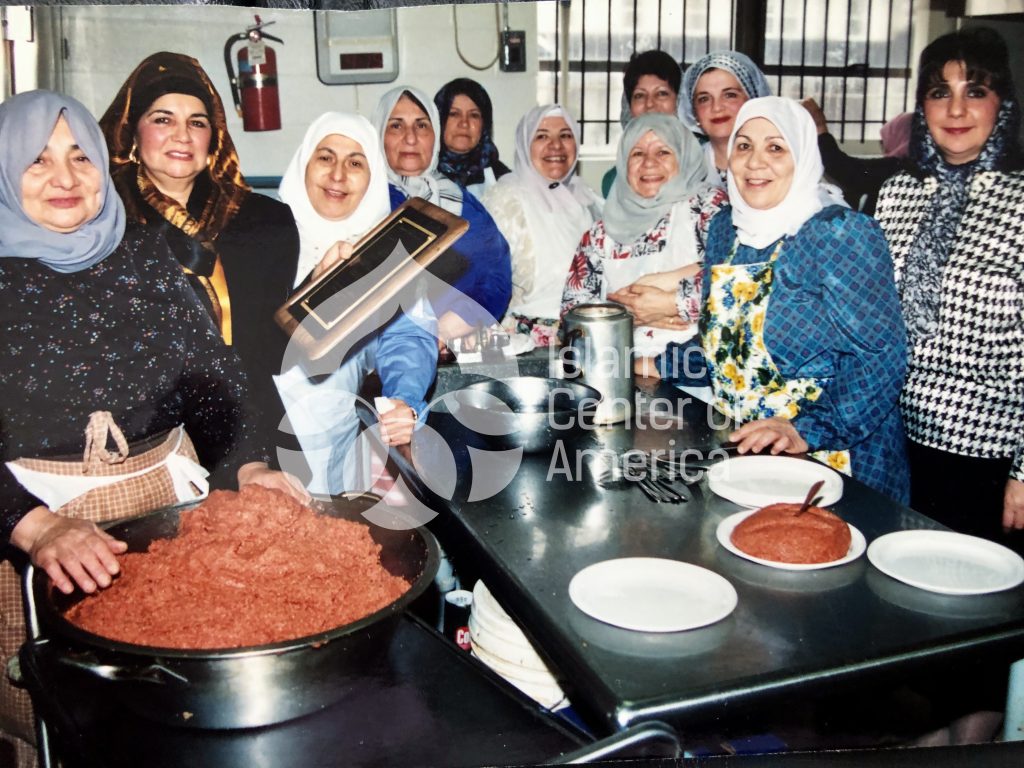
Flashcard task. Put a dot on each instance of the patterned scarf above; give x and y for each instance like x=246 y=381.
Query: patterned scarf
x=749 y=75
x=149 y=80
x=921 y=286
x=218 y=193
x=467 y=168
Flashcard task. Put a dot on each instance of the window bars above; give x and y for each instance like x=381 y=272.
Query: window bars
x=852 y=56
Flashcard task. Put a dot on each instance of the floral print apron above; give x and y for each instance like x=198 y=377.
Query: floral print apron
x=746 y=383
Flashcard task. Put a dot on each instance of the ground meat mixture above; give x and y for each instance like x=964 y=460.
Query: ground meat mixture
x=778 y=533
x=246 y=568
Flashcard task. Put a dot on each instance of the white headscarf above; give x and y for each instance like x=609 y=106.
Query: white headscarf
x=627 y=215
x=431 y=185
x=807 y=193
x=317 y=234
x=566 y=195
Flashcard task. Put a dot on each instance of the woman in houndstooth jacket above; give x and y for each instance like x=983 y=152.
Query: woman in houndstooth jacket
x=955 y=225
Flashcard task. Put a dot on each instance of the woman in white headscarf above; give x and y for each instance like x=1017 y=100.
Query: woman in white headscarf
x=652 y=234
x=820 y=371
x=542 y=208
x=336 y=185
x=410 y=132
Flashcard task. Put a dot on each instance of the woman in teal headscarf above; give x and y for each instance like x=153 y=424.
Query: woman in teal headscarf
x=651 y=235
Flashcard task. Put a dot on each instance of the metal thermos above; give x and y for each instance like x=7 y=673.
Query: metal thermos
x=599 y=340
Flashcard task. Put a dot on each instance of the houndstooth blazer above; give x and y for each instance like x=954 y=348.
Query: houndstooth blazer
x=965 y=386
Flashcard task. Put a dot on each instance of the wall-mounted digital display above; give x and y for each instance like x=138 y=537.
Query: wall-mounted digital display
x=361 y=61
x=356 y=46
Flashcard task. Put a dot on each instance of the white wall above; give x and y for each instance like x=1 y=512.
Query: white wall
x=106 y=42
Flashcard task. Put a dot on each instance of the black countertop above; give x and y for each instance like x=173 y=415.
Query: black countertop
x=424 y=701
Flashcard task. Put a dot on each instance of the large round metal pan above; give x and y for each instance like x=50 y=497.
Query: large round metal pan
x=238 y=687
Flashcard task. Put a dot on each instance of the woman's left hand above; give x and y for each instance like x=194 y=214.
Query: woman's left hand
x=1013 y=505
x=646 y=303
x=397 y=424
x=775 y=433
x=340 y=251
x=258 y=473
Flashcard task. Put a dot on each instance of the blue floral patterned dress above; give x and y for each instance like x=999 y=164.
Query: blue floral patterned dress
x=834 y=319
x=746 y=382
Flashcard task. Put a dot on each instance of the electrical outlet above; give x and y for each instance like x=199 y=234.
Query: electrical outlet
x=513 y=51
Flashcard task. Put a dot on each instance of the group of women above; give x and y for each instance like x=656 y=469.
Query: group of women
x=892 y=348
x=138 y=268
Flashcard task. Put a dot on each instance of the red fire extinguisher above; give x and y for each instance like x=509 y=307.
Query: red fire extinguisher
x=255 y=88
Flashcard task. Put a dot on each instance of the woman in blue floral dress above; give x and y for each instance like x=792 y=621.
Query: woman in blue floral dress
x=801 y=326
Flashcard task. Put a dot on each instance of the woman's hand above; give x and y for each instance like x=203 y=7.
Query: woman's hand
x=1013 y=505
x=820 y=123
x=646 y=303
x=451 y=326
x=645 y=367
x=669 y=281
x=67 y=547
x=397 y=424
x=258 y=473
x=775 y=433
x=340 y=251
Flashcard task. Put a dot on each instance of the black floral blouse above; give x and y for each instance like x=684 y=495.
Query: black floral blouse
x=127 y=336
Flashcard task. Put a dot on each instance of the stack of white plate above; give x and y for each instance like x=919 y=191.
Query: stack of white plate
x=501 y=645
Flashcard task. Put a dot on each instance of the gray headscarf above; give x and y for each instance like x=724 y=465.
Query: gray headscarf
x=751 y=79
x=627 y=215
x=26 y=123
x=432 y=185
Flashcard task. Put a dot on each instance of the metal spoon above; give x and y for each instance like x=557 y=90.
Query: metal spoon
x=810 y=498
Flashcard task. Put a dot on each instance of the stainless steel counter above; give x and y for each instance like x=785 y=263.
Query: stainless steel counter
x=792 y=634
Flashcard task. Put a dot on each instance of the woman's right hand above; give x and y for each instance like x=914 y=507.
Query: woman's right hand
x=69 y=549
x=820 y=122
x=646 y=303
x=340 y=251
x=669 y=281
x=776 y=434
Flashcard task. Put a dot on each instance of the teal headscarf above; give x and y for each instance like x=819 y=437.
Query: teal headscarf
x=627 y=215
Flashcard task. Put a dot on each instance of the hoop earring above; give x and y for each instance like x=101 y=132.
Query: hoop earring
x=132 y=157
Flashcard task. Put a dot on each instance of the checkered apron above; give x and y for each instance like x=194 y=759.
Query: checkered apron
x=142 y=492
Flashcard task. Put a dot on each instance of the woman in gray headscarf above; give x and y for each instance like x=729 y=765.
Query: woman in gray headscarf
x=714 y=88
x=102 y=336
x=651 y=236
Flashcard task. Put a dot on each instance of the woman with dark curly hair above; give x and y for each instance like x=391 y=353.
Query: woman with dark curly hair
x=955 y=225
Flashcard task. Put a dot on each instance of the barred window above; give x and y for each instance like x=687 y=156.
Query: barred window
x=853 y=56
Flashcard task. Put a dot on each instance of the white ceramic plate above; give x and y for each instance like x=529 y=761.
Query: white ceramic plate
x=946 y=562
x=648 y=594
x=757 y=481
x=724 y=532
